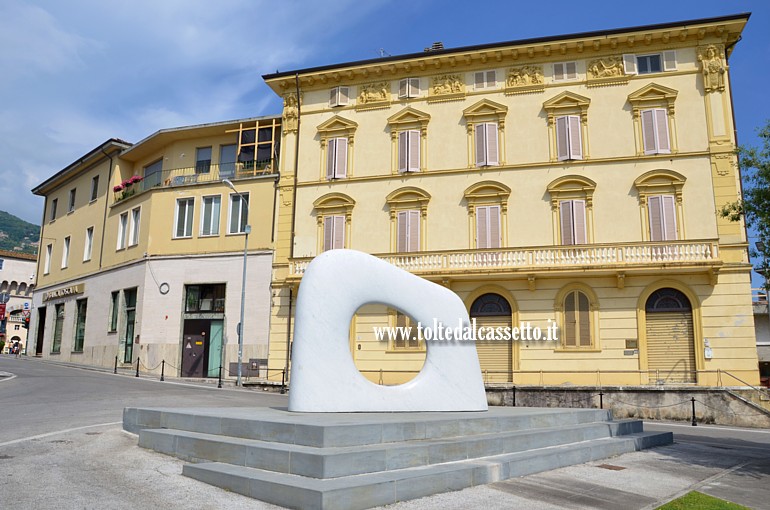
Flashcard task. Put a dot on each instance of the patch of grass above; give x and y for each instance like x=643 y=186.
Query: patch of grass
x=699 y=501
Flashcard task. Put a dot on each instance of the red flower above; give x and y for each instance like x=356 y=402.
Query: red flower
x=118 y=188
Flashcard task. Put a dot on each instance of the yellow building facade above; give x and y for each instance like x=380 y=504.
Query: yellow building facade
x=143 y=247
x=570 y=180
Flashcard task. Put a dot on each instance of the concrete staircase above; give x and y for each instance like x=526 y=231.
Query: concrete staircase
x=361 y=460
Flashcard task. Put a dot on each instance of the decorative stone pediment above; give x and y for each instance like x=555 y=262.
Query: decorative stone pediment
x=660 y=181
x=487 y=191
x=571 y=187
x=651 y=96
x=334 y=201
x=408 y=117
x=408 y=197
x=485 y=108
x=567 y=103
x=338 y=126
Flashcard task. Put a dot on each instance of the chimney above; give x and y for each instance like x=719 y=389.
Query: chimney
x=438 y=45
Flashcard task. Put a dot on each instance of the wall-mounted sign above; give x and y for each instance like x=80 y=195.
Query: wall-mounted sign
x=64 y=292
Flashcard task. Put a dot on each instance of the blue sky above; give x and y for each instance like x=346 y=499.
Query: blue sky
x=79 y=72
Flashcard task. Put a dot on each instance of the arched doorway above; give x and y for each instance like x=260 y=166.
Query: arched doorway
x=670 y=337
x=495 y=356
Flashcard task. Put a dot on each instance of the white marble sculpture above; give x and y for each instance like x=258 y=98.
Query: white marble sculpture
x=324 y=377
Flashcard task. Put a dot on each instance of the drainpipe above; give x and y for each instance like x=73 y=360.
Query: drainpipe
x=293 y=221
x=106 y=200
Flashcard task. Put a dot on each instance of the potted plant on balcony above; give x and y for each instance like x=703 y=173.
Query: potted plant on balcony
x=126 y=188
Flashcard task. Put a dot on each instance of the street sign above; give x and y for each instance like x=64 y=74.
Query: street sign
x=2 y=311
x=26 y=306
x=4 y=297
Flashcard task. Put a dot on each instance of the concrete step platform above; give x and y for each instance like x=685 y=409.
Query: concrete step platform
x=360 y=460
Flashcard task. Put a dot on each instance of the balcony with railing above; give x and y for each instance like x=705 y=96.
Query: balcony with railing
x=613 y=257
x=202 y=173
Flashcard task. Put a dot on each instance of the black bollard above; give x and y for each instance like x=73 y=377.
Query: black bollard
x=116 y=366
x=283 y=381
x=137 y=367
x=219 y=385
x=601 y=400
x=514 y=396
x=694 y=423
x=162 y=370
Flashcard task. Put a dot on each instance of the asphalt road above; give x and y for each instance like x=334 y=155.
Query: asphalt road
x=62 y=446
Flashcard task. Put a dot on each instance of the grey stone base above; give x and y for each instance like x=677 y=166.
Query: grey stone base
x=360 y=460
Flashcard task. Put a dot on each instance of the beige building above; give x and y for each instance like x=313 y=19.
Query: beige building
x=17 y=276
x=142 y=251
x=571 y=179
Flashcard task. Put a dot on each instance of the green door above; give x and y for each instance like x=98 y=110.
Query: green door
x=215 y=348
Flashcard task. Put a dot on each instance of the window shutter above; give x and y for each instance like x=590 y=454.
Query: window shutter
x=648 y=132
x=669 y=217
x=341 y=158
x=479 y=80
x=629 y=63
x=656 y=218
x=333 y=97
x=562 y=138
x=492 y=149
x=344 y=96
x=558 y=72
x=331 y=157
x=575 y=138
x=414 y=87
x=481 y=145
x=414 y=231
x=669 y=60
x=328 y=232
x=402 y=89
x=402 y=231
x=584 y=319
x=491 y=79
x=414 y=150
x=403 y=142
x=579 y=221
x=570 y=319
x=661 y=128
x=567 y=237
x=570 y=70
x=482 y=232
x=494 y=226
x=339 y=232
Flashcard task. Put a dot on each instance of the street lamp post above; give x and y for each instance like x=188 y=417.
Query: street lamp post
x=247 y=231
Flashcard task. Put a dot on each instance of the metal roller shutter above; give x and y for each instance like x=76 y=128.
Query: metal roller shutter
x=671 y=346
x=495 y=357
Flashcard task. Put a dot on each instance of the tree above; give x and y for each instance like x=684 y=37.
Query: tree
x=754 y=206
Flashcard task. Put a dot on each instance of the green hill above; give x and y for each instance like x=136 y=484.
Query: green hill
x=17 y=234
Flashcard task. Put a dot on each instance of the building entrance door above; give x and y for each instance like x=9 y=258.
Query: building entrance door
x=670 y=337
x=194 y=340
x=495 y=356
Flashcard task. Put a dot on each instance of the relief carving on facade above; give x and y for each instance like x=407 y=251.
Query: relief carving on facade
x=524 y=76
x=607 y=67
x=374 y=93
x=446 y=84
x=723 y=163
x=290 y=111
x=712 y=67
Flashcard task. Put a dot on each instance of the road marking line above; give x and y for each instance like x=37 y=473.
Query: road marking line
x=49 y=434
x=8 y=378
x=706 y=427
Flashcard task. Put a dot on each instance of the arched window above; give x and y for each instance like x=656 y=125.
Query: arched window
x=668 y=300
x=577 y=320
x=490 y=305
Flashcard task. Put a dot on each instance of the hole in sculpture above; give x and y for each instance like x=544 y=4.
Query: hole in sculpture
x=385 y=345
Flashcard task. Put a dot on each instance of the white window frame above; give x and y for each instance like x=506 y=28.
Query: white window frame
x=65 y=254
x=488 y=79
x=189 y=212
x=667 y=62
x=573 y=129
x=213 y=226
x=48 y=253
x=88 y=246
x=334 y=160
x=564 y=74
x=241 y=228
x=122 y=231
x=135 y=221
x=485 y=150
x=339 y=96
x=54 y=206
x=94 y=188
x=409 y=88
x=71 y=200
x=334 y=227
x=409 y=143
